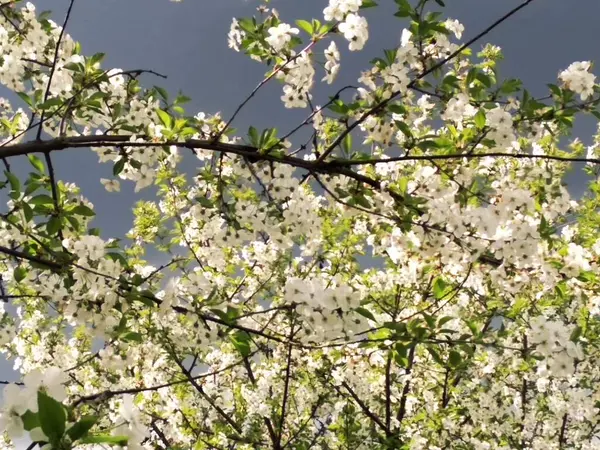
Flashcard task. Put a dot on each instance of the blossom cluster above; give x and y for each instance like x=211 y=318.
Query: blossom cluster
x=404 y=276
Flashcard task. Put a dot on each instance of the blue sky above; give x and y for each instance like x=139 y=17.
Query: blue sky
x=188 y=42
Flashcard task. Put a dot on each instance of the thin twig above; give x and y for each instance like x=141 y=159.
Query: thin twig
x=54 y=63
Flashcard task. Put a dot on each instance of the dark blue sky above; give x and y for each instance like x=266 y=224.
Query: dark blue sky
x=188 y=42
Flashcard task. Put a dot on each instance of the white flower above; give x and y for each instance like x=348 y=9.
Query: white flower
x=332 y=65
x=577 y=78
x=16 y=401
x=76 y=59
x=111 y=185
x=498 y=118
x=561 y=365
x=338 y=9
x=592 y=153
x=455 y=27
x=50 y=381
x=235 y=36
x=355 y=30
x=280 y=35
x=133 y=428
x=458 y=108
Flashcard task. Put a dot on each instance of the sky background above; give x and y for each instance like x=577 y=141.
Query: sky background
x=188 y=42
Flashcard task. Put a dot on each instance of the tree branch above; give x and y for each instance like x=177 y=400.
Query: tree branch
x=423 y=74
x=54 y=63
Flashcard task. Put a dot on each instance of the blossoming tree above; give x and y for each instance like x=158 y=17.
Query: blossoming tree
x=474 y=326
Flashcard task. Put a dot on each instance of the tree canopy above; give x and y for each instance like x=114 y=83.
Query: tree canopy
x=403 y=269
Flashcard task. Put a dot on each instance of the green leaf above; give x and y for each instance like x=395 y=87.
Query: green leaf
x=401 y=355
x=81 y=428
x=254 y=138
x=25 y=98
x=450 y=81
x=347 y=143
x=83 y=210
x=31 y=188
x=480 y=119
x=397 y=327
x=50 y=103
x=403 y=185
x=132 y=336
x=30 y=420
x=555 y=90
x=443 y=320
x=360 y=200
x=365 y=313
x=306 y=26
x=15 y=184
x=510 y=86
x=146 y=297
x=52 y=416
x=439 y=288
x=74 y=67
x=118 y=167
x=164 y=117
x=41 y=199
x=471 y=76
x=368 y=4
x=105 y=439
x=404 y=128
x=576 y=334
x=53 y=225
x=454 y=358
x=19 y=273
x=435 y=355
x=162 y=92
x=36 y=163
x=441 y=3
x=241 y=341
x=96 y=58
x=427 y=145
x=485 y=79
x=27 y=211
x=404 y=8
x=181 y=99
x=118 y=257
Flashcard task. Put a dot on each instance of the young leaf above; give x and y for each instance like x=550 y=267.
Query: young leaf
x=19 y=273
x=81 y=428
x=53 y=225
x=241 y=342
x=164 y=117
x=162 y=92
x=25 y=98
x=36 y=163
x=480 y=119
x=105 y=439
x=368 y=4
x=454 y=358
x=83 y=210
x=132 y=336
x=439 y=288
x=15 y=184
x=306 y=26
x=52 y=417
x=365 y=313
x=118 y=167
